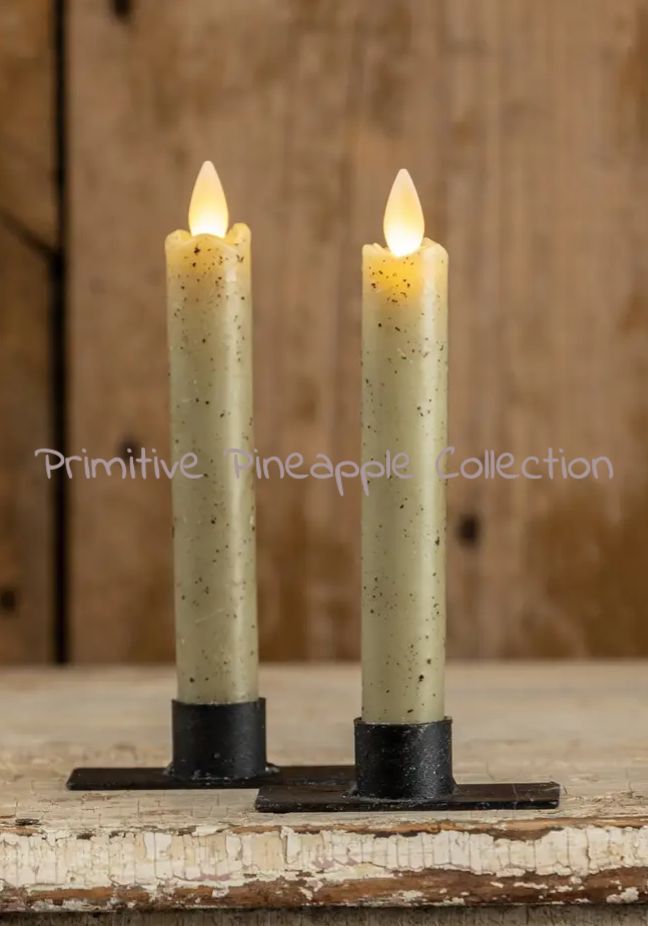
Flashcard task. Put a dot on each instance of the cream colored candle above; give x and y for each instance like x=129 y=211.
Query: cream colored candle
x=404 y=410
x=210 y=349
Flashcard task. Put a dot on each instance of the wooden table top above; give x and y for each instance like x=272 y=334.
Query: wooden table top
x=584 y=725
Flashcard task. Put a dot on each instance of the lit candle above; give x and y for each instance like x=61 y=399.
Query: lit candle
x=404 y=410
x=210 y=349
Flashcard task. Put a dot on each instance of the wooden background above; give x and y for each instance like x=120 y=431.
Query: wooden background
x=525 y=127
x=29 y=309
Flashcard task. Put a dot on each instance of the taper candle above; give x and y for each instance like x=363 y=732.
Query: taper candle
x=210 y=350
x=404 y=410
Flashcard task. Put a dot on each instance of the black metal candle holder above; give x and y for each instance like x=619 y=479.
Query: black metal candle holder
x=220 y=741
x=402 y=767
x=214 y=746
x=397 y=767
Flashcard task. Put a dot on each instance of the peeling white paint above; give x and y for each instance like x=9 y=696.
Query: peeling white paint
x=160 y=863
x=629 y=895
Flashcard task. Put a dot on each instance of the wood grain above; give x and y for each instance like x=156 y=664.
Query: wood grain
x=582 y=724
x=28 y=250
x=550 y=308
x=525 y=128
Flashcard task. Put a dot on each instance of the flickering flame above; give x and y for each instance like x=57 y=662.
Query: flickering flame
x=208 y=207
x=403 y=224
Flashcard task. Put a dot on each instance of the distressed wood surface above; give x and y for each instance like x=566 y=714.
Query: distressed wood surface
x=549 y=112
x=581 y=724
x=28 y=255
x=525 y=127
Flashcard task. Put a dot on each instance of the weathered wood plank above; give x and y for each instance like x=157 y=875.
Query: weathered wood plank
x=524 y=126
x=550 y=308
x=28 y=239
x=583 y=725
x=27 y=97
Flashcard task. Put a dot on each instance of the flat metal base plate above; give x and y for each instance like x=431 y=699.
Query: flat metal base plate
x=160 y=779
x=337 y=796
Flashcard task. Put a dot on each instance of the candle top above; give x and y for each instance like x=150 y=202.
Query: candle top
x=208 y=213
x=403 y=223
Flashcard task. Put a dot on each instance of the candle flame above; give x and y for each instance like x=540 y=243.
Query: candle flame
x=403 y=224
x=208 y=207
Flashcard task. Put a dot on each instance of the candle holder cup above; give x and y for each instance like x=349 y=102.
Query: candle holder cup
x=403 y=767
x=221 y=741
x=405 y=761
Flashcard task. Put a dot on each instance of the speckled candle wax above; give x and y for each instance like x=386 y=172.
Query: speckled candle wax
x=404 y=410
x=210 y=348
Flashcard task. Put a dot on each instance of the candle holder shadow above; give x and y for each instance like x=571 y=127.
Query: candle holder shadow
x=214 y=746
x=403 y=767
